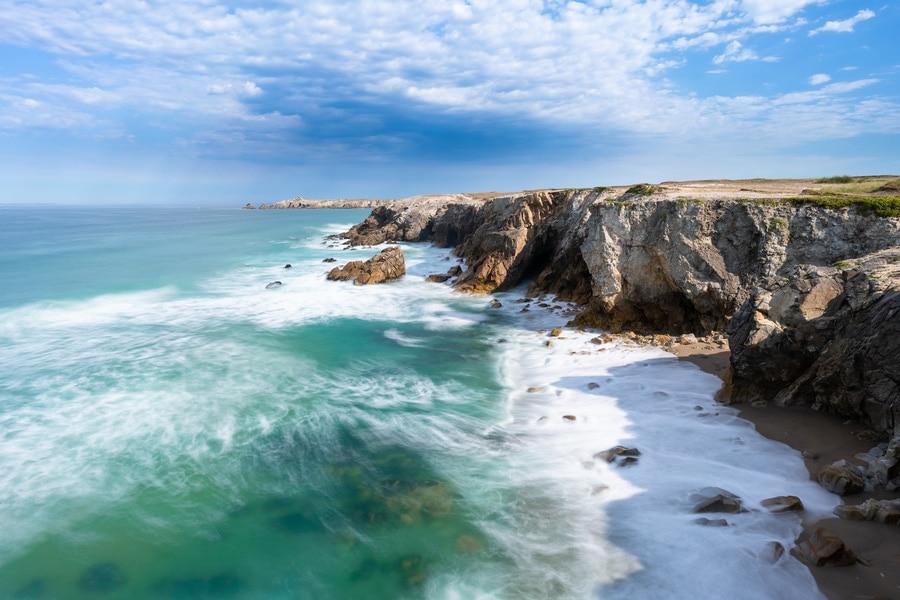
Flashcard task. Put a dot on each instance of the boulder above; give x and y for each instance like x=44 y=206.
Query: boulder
x=780 y=504
x=617 y=451
x=388 y=265
x=822 y=547
x=716 y=500
x=840 y=480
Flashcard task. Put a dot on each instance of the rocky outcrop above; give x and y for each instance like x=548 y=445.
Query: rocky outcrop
x=534 y=235
x=810 y=321
x=444 y=220
x=830 y=337
x=387 y=265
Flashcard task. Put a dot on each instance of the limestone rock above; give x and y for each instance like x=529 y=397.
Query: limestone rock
x=387 y=265
x=822 y=547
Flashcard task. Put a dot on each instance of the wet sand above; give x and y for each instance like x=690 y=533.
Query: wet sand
x=824 y=439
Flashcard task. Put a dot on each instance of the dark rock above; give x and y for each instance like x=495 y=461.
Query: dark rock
x=831 y=337
x=615 y=452
x=627 y=461
x=288 y=266
x=329 y=260
x=711 y=522
x=773 y=553
x=716 y=500
x=273 y=284
x=102 y=578
x=438 y=278
x=496 y=303
x=822 y=547
x=568 y=417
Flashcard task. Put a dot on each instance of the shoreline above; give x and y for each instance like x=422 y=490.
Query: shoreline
x=822 y=438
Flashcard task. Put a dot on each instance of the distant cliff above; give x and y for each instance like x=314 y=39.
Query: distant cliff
x=766 y=269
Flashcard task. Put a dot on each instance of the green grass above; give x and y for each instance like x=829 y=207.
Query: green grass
x=857 y=185
x=836 y=179
x=882 y=206
x=642 y=189
x=777 y=224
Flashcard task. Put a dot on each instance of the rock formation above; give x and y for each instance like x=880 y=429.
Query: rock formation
x=387 y=265
x=811 y=293
x=830 y=335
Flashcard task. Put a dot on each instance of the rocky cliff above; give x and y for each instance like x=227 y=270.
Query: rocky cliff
x=803 y=328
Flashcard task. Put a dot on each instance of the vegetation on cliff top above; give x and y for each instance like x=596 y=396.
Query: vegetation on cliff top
x=882 y=206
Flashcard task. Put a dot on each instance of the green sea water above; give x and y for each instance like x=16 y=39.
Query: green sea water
x=171 y=428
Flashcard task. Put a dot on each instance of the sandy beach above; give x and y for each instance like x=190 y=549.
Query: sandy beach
x=823 y=439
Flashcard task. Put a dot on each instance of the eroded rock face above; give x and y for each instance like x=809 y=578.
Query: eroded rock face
x=830 y=338
x=529 y=235
x=388 y=265
x=687 y=266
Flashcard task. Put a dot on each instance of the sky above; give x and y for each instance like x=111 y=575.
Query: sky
x=135 y=101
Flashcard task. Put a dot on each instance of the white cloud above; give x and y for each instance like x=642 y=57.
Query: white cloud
x=595 y=65
x=845 y=26
x=252 y=90
x=735 y=52
x=819 y=79
x=765 y=12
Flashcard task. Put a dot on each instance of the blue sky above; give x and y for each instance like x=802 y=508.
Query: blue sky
x=209 y=101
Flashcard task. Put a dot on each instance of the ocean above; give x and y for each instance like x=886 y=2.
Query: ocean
x=172 y=428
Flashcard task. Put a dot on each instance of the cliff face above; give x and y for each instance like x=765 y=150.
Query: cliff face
x=831 y=336
x=801 y=330
x=687 y=266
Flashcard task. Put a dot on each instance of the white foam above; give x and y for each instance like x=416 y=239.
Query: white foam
x=646 y=399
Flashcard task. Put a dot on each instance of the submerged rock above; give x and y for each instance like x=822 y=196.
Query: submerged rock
x=780 y=504
x=615 y=452
x=273 y=285
x=716 y=500
x=102 y=578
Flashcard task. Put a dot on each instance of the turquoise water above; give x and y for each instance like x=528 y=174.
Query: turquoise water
x=170 y=428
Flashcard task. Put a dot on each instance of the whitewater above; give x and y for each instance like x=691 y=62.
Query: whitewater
x=171 y=428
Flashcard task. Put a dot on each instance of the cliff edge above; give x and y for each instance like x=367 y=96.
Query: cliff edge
x=803 y=282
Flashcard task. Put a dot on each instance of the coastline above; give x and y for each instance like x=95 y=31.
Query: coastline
x=822 y=438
